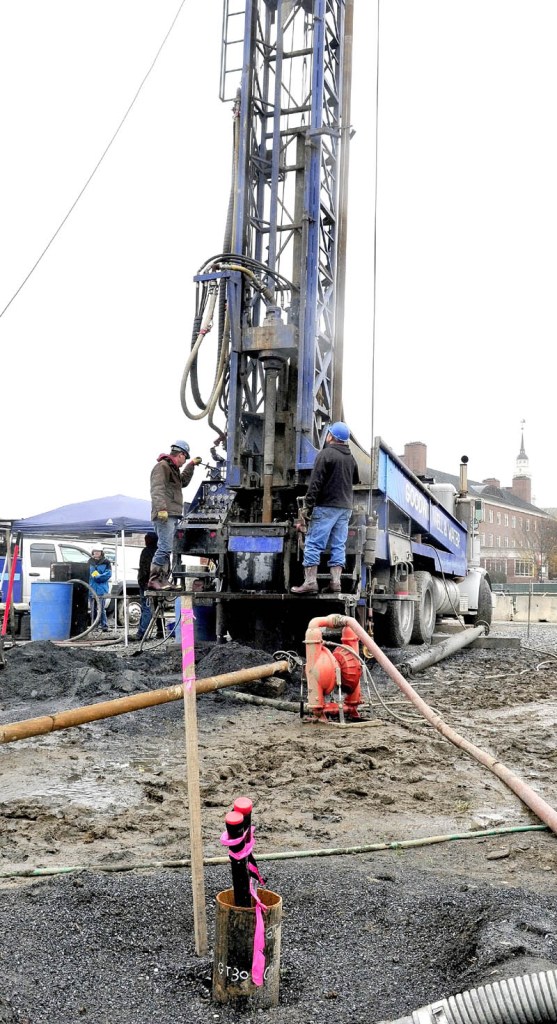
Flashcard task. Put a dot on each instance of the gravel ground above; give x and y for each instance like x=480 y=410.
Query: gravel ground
x=365 y=937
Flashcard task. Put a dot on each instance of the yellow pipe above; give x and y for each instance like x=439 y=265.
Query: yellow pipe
x=107 y=709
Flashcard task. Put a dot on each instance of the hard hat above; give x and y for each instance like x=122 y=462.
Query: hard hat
x=182 y=445
x=339 y=431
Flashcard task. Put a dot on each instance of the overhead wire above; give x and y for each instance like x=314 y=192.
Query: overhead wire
x=97 y=165
x=374 y=312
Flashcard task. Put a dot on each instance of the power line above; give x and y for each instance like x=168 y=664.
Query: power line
x=98 y=164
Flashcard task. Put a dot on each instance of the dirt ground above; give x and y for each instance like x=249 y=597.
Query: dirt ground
x=113 y=794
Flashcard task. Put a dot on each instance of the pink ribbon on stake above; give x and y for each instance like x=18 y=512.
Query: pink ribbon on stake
x=258 y=957
x=188 y=650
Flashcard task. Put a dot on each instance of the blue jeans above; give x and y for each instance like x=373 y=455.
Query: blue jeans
x=103 y=621
x=145 y=613
x=327 y=527
x=165 y=540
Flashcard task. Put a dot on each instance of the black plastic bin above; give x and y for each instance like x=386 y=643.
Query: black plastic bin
x=61 y=572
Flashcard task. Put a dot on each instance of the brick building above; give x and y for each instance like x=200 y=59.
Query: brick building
x=515 y=535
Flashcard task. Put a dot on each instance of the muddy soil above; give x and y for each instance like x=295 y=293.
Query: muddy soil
x=400 y=927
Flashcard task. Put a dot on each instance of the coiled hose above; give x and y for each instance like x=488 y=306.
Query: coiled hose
x=528 y=999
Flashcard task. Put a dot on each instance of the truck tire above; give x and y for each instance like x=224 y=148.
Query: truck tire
x=424 y=609
x=134 y=611
x=394 y=628
x=485 y=606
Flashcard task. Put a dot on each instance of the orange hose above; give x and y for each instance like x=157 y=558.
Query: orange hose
x=536 y=803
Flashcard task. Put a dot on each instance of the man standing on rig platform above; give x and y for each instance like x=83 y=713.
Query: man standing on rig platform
x=167 y=480
x=328 y=507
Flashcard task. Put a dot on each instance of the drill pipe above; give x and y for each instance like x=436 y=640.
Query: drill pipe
x=107 y=709
x=442 y=650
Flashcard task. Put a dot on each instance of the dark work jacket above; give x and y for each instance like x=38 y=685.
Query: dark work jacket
x=145 y=559
x=333 y=477
x=166 y=486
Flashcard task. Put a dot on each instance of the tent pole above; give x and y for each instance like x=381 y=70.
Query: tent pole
x=125 y=592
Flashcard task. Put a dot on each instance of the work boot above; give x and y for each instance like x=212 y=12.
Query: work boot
x=158 y=579
x=334 y=583
x=309 y=586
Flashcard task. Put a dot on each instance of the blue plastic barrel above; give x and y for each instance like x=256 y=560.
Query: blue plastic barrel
x=51 y=610
x=204 y=621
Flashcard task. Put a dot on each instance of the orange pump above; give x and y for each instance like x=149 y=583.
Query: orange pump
x=327 y=668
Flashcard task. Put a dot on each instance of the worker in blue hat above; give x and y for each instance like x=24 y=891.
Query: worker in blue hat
x=170 y=474
x=327 y=509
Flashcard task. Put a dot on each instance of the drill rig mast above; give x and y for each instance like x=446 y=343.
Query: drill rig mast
x=276 y=291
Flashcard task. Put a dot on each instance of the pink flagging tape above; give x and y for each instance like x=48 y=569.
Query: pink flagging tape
x=258 y=958
x=188 y=652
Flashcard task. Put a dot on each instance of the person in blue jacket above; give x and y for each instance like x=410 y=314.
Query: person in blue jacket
x=99 y=574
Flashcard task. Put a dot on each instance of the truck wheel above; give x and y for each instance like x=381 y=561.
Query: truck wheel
x=134 y=611
x=424 y=609
x=485 y=606
x=394 y=628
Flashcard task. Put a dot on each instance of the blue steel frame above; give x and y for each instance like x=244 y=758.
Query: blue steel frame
x=286 y=201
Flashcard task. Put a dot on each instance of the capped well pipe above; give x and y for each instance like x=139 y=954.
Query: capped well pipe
x=121 y=705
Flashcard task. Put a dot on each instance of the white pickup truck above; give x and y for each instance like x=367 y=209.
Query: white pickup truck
x=36 y=557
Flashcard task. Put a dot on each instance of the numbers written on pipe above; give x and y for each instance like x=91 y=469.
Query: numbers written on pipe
x=235 y=975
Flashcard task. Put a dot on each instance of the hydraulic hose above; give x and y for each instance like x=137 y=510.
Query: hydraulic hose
x=528 y=999
x=98 y=609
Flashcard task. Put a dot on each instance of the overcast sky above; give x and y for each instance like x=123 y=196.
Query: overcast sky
x=94 y=344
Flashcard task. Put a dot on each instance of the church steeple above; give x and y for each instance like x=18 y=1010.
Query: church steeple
x=522 y=483
x=522 y=463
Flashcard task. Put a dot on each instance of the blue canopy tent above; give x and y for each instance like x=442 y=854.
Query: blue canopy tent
x=114 y=516
x=103 y=517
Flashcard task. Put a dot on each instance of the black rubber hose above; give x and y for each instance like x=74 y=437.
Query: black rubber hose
x=528 y=999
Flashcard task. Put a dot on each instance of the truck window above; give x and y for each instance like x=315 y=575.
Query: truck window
x=71 y=554
x=42 y=555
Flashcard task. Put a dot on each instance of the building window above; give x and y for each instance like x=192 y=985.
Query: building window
x=482 y=539
x=535 y=521
x=520 y=522
x=527 y=526
x=523 y=567
x=490 y=515
x=498 y=540
x=506 y=518
x=513 y=522
x=506 y=542
x=490 y=540
x=498 y=519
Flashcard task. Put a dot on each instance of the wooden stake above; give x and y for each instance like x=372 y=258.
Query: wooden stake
x=192 y=761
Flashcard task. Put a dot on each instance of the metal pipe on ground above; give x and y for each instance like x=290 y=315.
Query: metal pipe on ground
x=14 y=731
x=441 y=651
x=543 y=810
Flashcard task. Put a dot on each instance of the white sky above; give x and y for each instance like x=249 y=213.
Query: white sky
x=92 y=349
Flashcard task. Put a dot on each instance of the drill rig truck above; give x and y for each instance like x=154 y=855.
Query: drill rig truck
x=271 y=305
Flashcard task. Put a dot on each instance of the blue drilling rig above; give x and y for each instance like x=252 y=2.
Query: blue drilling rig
x=272 y=306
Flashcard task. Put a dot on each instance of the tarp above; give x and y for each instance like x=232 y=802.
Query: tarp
x=102 y=517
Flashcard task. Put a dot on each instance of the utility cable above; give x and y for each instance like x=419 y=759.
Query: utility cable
x=97 y=165
x=374 y=314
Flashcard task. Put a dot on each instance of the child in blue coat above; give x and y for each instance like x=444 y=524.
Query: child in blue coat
x=99 y=575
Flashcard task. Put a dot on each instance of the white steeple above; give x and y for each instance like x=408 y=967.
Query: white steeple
x=522 y=464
